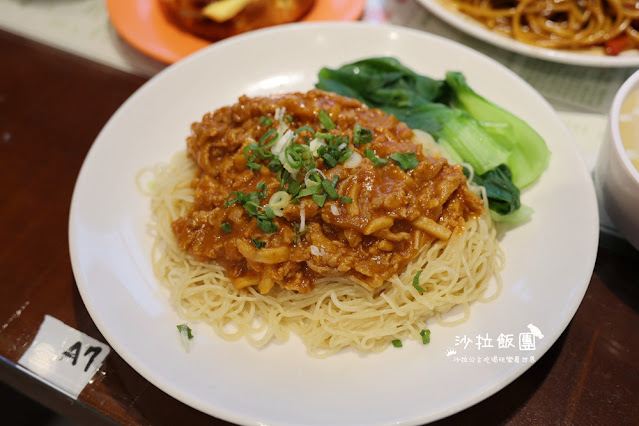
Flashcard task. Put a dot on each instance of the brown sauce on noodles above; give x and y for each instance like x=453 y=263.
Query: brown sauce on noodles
x=376 y=226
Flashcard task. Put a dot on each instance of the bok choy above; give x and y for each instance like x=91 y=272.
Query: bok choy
x=505 y=153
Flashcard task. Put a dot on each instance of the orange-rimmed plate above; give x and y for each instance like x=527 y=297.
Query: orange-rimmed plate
x=143 y=25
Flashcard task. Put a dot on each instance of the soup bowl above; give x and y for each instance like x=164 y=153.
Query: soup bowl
x=616 y=177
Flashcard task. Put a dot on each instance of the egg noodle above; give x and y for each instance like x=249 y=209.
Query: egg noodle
x=559 y=24
x=337 y=313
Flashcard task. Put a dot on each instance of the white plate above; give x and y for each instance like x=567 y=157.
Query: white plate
x=550 y=260
x=466 y=24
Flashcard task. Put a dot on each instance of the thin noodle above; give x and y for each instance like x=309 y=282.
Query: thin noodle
x=337 y=314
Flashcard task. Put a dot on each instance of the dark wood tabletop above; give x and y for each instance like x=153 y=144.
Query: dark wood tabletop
x=52 y=106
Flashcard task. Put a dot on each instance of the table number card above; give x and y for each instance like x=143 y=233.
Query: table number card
x=64 y=356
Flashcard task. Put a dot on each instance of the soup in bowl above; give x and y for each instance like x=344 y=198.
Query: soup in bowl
x=617 y=170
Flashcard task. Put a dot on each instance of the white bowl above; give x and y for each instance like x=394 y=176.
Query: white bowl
x=615 y=175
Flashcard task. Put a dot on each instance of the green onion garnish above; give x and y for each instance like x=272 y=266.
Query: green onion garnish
x=226 y=227
x=330 y=189
x=325 y=120
x=304 y=129
x=259 y=244
x=185 y=329
x=425 y=336
x=377 y=161
x=266 y=121
x=405 y=160
x=397 y=343
x=329 y=160
x=361 y=135
x=319 y=199
x=416 y=282
x=251 y=203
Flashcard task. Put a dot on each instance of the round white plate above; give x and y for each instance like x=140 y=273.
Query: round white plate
x=549 y=260
x=465 y=23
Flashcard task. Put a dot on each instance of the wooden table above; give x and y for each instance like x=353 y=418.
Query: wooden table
x=52 y=106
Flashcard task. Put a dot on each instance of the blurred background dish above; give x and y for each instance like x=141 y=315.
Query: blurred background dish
x=446 y=11
x=218 y=19
x=143 y=25
x=617 y=172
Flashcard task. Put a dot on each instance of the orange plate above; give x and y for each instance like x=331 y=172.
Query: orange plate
x=143 y=25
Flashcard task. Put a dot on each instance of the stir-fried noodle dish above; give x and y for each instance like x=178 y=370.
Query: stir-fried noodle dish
x=608 y=25
x=314 y=214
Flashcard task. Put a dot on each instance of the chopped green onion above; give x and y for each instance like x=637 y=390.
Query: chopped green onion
x=266 y=121
x=259 y=244
x=346 y=200
x=304 y=129
x=330 y=189
x=250 y=202
x=293 y=187
x=314 y=145
x=405 y=160
x=345 y=155
x=296 y=229
x=325 y=136
x=279 y=201
x=319 y=199
x=329 y=160
x=425 y=336
x=308 y=191
x=325 y=120
x=377 y=161
x=230 y=201
x=288 y=118
x=185 y=329
x=313 y=178
x=226 y=227
x=262 y=188
x=268 y=135
x=397 y=343
x=267 y=226
x=361 y=135
x=416 y=282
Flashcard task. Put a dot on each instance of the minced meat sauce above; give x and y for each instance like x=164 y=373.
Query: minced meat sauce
x=369 y=228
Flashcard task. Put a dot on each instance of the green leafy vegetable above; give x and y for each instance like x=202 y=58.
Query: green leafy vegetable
x=502 y=193
x=529 y=155
x=472 y=129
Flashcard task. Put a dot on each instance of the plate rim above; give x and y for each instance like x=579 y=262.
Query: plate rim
x=231 y=416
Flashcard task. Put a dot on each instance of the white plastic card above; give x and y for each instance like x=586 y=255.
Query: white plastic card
x=64 y=356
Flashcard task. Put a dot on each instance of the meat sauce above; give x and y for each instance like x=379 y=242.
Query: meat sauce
x=382 y=217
